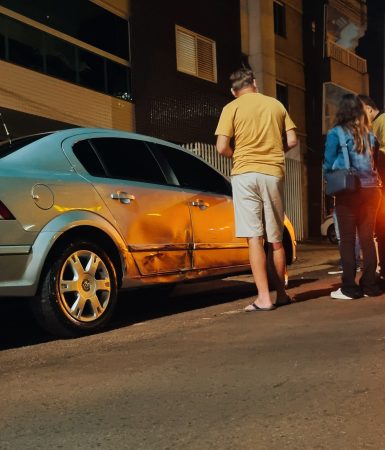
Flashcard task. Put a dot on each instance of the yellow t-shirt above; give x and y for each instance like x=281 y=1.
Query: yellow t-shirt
x=379 y=130
x=257 y=123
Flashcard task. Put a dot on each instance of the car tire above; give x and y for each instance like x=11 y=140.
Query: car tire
x=331 y=234
x=78 y=292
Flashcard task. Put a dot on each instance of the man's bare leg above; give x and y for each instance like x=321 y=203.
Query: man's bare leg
x=257 y=258
x=277 y=263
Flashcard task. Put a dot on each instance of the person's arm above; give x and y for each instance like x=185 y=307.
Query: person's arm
x=331 y=150
x=291 y=139
x=224 y=147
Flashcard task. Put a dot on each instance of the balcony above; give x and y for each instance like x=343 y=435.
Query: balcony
x=346 y=57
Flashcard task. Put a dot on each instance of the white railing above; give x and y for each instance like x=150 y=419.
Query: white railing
x=209 y=154
x=293 y=196
x=293 y=181
x=346 y=57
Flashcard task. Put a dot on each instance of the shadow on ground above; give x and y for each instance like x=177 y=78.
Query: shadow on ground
x=18 y=327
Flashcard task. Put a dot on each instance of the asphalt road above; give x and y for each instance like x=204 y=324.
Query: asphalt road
x=196 y=372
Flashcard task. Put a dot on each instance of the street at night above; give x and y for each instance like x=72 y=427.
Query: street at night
x=196 y=371
x=152 y=154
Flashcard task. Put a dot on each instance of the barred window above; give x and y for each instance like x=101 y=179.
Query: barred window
x=195 y=54
x=279 y=19
x=283 y=94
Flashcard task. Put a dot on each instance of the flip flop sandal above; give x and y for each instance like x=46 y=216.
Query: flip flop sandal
x=288 y=300
x=255 y=308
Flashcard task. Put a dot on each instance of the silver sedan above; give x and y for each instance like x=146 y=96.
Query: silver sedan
x=86 y=212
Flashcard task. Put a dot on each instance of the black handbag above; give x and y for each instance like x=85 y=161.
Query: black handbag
x=341 y=180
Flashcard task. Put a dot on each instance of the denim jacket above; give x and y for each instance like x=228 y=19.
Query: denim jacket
x=362 y=163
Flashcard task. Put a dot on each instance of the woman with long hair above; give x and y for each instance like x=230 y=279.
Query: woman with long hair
x=356 y=211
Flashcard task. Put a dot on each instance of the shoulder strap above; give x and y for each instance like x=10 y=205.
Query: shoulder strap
x=344 y=147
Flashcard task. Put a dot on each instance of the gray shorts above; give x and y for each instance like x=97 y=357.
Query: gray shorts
x=258 y=206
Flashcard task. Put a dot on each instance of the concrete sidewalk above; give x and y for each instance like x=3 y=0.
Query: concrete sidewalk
x=314 y=255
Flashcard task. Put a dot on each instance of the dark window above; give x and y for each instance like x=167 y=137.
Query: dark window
x=313 y=32
x=25 y=44
x=279 y=19
x=81 y=19
x=282 y=94
x=60 y=58
x=91 y=70
x=118 y=80
x=192 y=173
x=2 y=40
x=40 y=51
x=128 y=159
x=88 y=158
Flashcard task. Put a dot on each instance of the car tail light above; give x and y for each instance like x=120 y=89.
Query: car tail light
x=5 y=213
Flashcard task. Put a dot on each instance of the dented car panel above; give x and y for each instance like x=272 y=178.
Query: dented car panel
x=215 y=244
x=155 y=223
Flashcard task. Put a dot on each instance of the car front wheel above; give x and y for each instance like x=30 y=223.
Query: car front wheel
x=78 y=292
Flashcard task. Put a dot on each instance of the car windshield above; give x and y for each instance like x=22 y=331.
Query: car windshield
x=11 y=145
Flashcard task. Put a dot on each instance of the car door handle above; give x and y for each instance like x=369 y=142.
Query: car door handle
x=200 y=204
x=123 y=197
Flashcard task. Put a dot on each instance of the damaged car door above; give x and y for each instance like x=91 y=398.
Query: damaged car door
x=152 y=216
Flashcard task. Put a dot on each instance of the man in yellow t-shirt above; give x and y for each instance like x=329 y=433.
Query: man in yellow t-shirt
x=377 y=119
x=258 y=125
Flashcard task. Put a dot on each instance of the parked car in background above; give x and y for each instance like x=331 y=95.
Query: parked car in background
x=328 y=230
x=87 y=212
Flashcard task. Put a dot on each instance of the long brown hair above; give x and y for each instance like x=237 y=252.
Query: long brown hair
x=351 y=115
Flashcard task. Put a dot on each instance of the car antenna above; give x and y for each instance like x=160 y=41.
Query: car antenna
x=6 y=129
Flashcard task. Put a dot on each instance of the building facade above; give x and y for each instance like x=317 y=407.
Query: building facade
x=331 y=33
x=161 y=69
x=271 y=34
x=58 y=69
x=371 y=47
x=181 y=64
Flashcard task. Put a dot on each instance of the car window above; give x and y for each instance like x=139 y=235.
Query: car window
x=128 y=159
x=193 y=173
x=88 y=158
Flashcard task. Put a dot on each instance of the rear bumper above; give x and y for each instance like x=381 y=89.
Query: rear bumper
x=21 y=266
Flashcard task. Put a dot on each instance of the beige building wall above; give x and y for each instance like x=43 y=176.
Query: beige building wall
x=119 y=7
x=350 y=79
x=31 y=92
x=274 y=58
x=279 y=59
x=290 y=64
x=258 y=43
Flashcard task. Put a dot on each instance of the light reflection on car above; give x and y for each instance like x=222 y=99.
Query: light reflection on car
x=87 y=212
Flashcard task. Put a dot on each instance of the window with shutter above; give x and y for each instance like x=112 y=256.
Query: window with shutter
x=195 y=54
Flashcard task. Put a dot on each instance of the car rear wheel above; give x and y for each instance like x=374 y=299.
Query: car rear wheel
x=79 y=291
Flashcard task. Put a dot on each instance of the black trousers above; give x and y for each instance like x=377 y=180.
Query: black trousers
x=380 y=233
x=358 y=211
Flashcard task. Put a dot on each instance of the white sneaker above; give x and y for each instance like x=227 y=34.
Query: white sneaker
x=339 y=295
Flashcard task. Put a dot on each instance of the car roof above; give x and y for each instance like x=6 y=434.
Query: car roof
x=61 y=135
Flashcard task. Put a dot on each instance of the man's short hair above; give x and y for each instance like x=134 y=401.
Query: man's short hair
x=241 y=78
x=367 y=101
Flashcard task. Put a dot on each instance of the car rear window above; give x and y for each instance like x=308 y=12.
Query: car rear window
x=89 y=159
x=122 y=158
